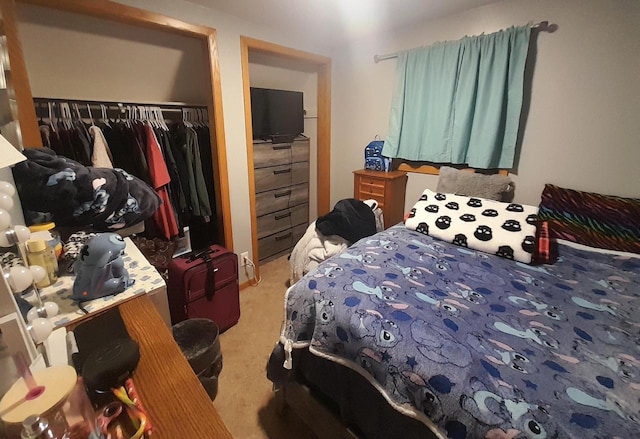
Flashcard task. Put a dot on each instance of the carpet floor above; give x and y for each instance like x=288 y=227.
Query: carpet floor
x=245 y=398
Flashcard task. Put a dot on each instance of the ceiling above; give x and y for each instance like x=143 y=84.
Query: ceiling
x=333 y=21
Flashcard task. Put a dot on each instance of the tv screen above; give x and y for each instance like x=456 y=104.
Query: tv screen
x=276 y=112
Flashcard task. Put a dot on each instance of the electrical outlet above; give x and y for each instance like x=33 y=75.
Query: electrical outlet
x=244 y=257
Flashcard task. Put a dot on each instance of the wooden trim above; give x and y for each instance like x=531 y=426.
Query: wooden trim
x=218 y=144
x=124 y=14
x=322 y=66
x=248 y=129
x=435 y=170
x=109 y=10
x=285 y=52
x=19 y=80
x=324 y=138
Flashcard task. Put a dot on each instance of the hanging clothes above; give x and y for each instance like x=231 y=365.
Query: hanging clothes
x=164 y=217
x=176 y=194
x=199 y=195
x=100 y=157
x=204 y=142
x=175 y=161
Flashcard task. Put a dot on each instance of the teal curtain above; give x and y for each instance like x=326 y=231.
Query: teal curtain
x=460 y=101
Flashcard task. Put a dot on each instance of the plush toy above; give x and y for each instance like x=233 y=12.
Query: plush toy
x=99 y=268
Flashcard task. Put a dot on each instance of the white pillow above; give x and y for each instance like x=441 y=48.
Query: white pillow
x=504 y=229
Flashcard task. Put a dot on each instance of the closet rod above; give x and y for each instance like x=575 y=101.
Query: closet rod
x=542 y=26
x=168 y=106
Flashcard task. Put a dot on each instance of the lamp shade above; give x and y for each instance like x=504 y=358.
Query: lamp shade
x=9 y=155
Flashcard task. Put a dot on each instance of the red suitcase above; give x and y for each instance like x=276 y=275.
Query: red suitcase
x=204 y=284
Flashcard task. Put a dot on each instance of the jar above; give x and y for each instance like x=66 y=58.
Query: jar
x=36 y=427
x=39 y=253
x=48 y=232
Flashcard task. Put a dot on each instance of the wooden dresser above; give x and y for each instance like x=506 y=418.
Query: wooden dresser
x=281 y=173
x=387 y=188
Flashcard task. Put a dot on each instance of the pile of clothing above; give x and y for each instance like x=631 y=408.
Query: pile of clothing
x=331 y=234
x=56 y=188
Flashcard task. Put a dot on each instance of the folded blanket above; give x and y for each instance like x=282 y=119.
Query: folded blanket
x=56 y=188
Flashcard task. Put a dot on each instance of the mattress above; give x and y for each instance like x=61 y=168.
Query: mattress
x=473 y=345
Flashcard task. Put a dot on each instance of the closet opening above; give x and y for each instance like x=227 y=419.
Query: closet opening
x=181 y=65
x=317 y=69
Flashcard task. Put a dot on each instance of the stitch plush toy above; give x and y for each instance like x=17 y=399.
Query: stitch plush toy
x=100 y=269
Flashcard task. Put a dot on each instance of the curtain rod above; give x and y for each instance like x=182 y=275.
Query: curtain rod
x=542 y=26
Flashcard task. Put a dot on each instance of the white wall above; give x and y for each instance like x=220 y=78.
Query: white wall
x=583 y=126
x=72 y=56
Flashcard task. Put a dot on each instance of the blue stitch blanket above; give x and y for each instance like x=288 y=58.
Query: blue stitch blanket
x=480 y=346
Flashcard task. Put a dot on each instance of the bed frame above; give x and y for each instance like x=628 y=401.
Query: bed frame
x=321 y=420
x=324 y=416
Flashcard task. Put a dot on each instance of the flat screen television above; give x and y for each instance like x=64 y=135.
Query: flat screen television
x=276 y=113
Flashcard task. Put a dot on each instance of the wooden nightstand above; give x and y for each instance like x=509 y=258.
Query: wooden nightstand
x=387 y=188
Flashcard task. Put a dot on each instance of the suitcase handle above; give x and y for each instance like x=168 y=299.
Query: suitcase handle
x=202 y=253
x=210 y=282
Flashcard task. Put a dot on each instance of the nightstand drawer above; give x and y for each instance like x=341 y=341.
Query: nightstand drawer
x=387 y=188
x=278 y=199
x=282 y=219
x=273 y=154
x=275 y=177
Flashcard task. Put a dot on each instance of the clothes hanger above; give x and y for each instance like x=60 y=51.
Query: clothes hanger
x=90 y=115
x=52 y=118
x=105 y=116
x=160 y=118
x=185 y=118
x=65 y=111
x=76 y=109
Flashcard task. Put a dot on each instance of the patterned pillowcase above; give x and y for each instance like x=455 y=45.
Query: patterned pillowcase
x=592 y=219
x=504 y=229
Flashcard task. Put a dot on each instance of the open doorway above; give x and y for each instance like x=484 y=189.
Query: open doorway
x=292 y=59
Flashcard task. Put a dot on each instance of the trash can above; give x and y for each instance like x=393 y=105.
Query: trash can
x=199 y=340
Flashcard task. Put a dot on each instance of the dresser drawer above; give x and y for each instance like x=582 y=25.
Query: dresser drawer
x=278 y=199
x=272 y=154
x=281 y=241
x=282 y=219
x=387 y=188
x=275 y=177
x=370 y=188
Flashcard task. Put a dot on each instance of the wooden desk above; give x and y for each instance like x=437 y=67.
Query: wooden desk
x=177 y=403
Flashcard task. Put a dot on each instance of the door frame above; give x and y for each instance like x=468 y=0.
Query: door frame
x=321 y=65
x=117 y=12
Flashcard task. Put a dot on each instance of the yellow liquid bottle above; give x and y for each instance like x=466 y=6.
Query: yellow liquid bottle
x=39 y=253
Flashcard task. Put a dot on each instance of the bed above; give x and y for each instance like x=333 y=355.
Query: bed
x=407 y=335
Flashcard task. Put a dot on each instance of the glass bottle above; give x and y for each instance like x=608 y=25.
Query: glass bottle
x=48 y=232
x=39 y=253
